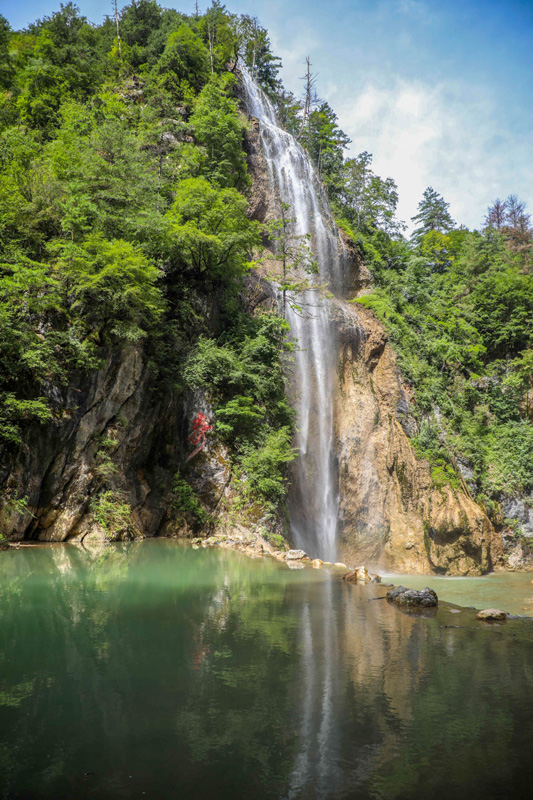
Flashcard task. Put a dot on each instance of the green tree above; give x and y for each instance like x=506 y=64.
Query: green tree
x=254 y=48
x=326 y=143
x=6 y=67
x=209 y=232
x=219 y=130
x=433 y=215
x=295 y=258
x=112 y=285
x=365 y=199
x=184 y=62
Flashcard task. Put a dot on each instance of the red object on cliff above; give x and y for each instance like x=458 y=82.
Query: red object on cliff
x=197 y=437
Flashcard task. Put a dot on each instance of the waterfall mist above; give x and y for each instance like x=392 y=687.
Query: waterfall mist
x=313 y=499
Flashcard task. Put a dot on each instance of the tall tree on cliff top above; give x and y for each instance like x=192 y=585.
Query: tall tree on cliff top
x=433 y=215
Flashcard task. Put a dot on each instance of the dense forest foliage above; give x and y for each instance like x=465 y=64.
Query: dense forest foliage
x=123 y=213
x=123 y=222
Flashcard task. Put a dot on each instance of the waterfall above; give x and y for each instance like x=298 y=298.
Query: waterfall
x=313 y=501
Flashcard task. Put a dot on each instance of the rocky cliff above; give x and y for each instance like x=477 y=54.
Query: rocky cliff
x=106 y=466
x=393 y=513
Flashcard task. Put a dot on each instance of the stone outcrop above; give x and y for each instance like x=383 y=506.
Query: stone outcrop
x=412 y=598
x=517 y=538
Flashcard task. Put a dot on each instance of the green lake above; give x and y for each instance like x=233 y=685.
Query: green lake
x=154 y=670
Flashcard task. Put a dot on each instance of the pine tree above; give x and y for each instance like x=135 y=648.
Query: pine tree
x=433 y=215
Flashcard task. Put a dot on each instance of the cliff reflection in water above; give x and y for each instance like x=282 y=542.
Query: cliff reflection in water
x=202 y=674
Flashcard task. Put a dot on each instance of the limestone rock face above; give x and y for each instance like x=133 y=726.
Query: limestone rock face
x=391 y=514
x=111 y=423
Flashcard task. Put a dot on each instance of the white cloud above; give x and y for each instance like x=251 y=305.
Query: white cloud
x=448 y=136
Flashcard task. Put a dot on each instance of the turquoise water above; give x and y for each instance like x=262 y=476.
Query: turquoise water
x=509 y=591
x=155 y=670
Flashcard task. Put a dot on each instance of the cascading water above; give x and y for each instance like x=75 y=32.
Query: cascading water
x=314 y=492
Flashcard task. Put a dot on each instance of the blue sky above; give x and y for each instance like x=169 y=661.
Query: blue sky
x=440 y=91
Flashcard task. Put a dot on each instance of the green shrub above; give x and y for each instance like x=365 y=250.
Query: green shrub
x=184 y=501
x=111 y=513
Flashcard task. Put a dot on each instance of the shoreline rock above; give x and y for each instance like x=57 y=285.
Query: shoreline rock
x=295 y=555
x=412 y=598
x=491 y=615
x=361 y=575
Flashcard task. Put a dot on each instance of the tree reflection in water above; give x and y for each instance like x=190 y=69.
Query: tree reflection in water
x=205 y=674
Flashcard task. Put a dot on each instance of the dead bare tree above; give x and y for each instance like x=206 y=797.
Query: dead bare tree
x=310 y=95
x=211 y=39
x=496 y=215
x=254 y=52
x=118 y=31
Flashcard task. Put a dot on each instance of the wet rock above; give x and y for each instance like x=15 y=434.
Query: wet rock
x=316 y=563
x=411 y=598
x=295 y=555
x=489 y=614
x=340 y=565
x=361 y=575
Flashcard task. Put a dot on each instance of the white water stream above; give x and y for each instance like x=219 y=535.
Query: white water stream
x=314 y=491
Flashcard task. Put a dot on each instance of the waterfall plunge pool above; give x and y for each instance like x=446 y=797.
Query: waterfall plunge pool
x=510 y=591
x=156 y=670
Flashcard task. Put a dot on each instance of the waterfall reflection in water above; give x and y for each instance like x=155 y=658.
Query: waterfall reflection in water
x=314 y=490
x=162 y=670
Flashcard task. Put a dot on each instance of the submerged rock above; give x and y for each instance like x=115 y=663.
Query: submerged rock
x=411 y=598
x=295 y=555
x=489 y=614
x=361 y=575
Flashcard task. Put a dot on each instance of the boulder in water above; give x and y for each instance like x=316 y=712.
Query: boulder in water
x=491 y=614
x=316 y=563
x=361 y=575
x=411 y=598
x=295 y=555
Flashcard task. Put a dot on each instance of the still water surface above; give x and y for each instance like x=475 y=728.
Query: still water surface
x=510 y=591
x=154 y=670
